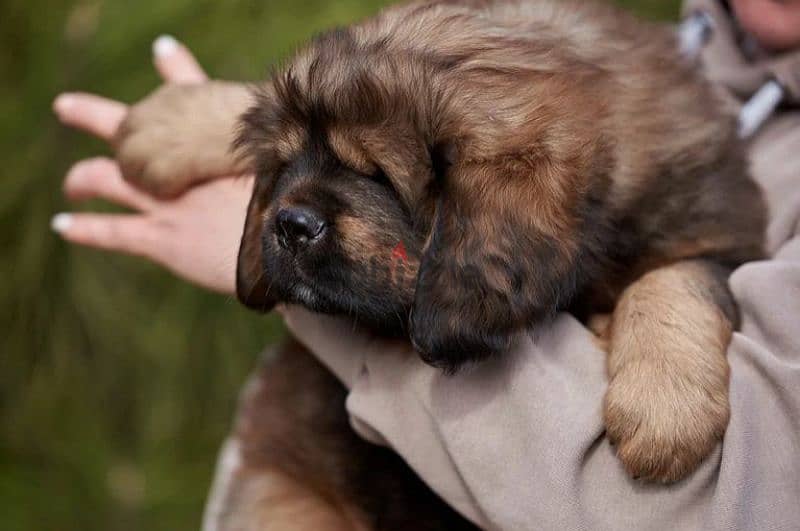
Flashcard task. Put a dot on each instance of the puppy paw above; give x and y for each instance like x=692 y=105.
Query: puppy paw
x=181 y=134
x=664 y=421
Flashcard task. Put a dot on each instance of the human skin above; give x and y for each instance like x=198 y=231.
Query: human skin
x=774 y=23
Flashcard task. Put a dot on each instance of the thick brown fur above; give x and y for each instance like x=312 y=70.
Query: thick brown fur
x=478 y=166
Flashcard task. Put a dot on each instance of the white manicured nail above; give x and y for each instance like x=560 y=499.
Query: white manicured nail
x=164 y=45
x=61 y=222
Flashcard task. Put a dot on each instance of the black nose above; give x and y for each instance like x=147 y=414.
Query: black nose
x=296 y=226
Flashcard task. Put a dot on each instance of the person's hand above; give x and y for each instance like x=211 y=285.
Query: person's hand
x=196 y=236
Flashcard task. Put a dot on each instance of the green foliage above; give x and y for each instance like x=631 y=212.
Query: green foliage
x=117 y=382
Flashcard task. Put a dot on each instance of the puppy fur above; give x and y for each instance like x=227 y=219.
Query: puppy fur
x=302 y=468
x=530 y=157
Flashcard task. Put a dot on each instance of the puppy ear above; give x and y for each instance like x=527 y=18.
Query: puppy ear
x=252 y=286
x=256 y=143
x=505 y=251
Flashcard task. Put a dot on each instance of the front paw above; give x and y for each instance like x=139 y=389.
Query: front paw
x=181 y=134
x=664 y=420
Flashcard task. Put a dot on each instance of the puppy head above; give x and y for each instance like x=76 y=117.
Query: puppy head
x=330 y=235
x=416 y=196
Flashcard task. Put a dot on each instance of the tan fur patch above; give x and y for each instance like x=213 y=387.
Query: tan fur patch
x=347 y=147
x=356 y=238
x=182 y=134
x=289 y=142
x=362 y=245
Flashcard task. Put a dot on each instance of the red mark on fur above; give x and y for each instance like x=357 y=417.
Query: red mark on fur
x=399 y=251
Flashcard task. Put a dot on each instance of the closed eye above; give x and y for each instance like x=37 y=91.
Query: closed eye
x=381 y=178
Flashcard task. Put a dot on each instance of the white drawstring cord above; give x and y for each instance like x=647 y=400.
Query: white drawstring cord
x=759 y=107
x=693 y=34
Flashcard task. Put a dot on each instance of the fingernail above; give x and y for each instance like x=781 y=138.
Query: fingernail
x=63 y=102
x=164 y=45
x=61 y=222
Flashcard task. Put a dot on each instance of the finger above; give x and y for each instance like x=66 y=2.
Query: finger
x=93 y=114
x=175 y=62
x=101 y=178
x=125 y=233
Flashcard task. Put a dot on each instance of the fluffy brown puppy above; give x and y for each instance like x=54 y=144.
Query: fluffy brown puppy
x=457 y=171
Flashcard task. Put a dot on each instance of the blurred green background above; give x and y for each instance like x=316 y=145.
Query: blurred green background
x=118 y=381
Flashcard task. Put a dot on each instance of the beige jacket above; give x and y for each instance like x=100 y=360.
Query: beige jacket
x=518 y=442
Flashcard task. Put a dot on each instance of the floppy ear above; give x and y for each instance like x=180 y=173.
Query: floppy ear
x=506 y=249
x=256 y=142
x=252 y=285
